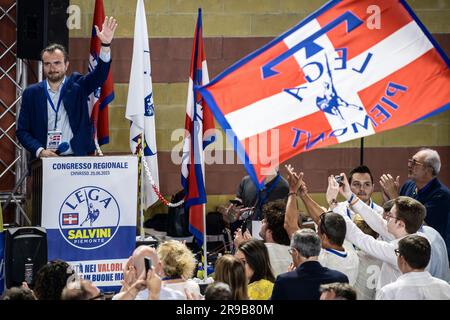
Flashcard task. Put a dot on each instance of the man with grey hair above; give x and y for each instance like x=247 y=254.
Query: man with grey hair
x=424 y=186
x=304 y=282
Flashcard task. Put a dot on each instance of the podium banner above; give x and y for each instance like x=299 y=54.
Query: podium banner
x=89 y=207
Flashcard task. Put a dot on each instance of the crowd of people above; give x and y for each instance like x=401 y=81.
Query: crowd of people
x=354 y=249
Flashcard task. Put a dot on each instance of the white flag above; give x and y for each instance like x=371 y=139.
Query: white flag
x=140 y=108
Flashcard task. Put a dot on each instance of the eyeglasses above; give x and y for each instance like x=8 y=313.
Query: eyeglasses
x=414 y=162
x=388 y=217
x=100 y=296
x=397 y=252
x=291 y=250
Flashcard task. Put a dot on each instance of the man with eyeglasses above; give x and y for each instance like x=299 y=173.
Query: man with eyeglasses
x=304 y=282
x=415 y=283
x=424 y=186
x=405 y=218
x=439 y=265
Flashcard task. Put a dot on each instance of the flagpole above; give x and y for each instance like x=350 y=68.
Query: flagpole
x=361 y=152
x=141 y=222
x=202 y=161
x=205 y=251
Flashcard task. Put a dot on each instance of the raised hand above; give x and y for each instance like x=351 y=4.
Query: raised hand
x=332 y=190
x=295 y=180
x=291 y=267
x=345 y=188
x=108 y=28
x=390 y=186
x=239 y=237
x=153 y=282
x=129 y=273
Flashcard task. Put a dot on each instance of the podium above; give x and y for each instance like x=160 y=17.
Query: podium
x=88 y=207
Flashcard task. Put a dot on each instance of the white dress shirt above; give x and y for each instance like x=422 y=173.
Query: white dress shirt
x=343 y=209
x=382 y=250
x=415 y=286
x=189 y=284
x=368 y=274
x=62 y=122
x=164 y=294
x=438 y=266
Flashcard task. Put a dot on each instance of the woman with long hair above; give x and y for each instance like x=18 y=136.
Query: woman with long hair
x=230 y=270
x=255 y=257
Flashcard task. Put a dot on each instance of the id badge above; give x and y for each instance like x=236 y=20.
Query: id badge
x=53 y=140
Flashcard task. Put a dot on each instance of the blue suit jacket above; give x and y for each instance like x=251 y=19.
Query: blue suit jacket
x=435 y=196
x=33 y=120
x=304 y=282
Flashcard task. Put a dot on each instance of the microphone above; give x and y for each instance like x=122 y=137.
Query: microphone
x=63 y=147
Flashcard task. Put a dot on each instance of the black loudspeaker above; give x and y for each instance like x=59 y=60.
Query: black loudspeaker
x=25 y=254
x=40 y=23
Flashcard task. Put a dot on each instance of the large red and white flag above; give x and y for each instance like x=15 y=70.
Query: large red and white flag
x=102 y=96
x=350 y=69
x=199 y=125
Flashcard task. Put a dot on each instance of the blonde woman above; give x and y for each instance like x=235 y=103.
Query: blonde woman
x=230 y=270
x=177 y=264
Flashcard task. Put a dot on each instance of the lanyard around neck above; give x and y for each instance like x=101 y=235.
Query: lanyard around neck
x=52 y=105
x=263 y=200
x=348 y=211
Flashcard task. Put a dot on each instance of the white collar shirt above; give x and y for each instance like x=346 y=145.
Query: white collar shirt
x=415 y=286
x=346 y=261
x=438 y=266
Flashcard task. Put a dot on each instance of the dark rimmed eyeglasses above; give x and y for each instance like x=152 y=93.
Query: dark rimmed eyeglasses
x=414 y=162
x=397 y=252
x=100 y=296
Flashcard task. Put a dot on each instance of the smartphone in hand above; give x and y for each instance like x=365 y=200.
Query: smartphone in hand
x=244 y=227
x=236 y=202
x=148 y=264
x=339 y=180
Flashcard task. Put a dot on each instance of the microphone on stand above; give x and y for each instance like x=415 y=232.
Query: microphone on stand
x=63 y=147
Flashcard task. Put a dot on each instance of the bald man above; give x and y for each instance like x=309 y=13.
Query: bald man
x=135 y=283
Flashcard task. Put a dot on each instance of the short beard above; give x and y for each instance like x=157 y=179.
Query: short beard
x=55 y=79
